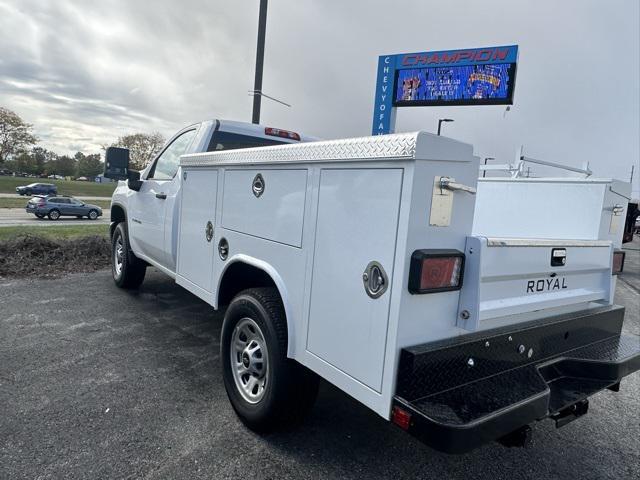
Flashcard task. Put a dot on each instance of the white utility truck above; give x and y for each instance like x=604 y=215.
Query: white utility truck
x=358 y=261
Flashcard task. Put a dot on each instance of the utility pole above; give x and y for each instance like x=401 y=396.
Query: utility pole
x=257 y=84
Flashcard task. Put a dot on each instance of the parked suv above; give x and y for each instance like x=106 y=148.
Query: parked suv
x=56 y=206
x=37 y=189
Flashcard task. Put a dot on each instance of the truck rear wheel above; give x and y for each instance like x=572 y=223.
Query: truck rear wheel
x=128 y=271
x=266 y=389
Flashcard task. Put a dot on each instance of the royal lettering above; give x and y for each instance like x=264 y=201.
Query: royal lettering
x=546 y=285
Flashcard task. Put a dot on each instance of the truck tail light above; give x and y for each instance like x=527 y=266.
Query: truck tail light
x=436 y=271
x=618 y=261
x=401 y=418
x=276 y=132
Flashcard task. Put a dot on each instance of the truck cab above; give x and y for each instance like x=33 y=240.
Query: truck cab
x=150 y=205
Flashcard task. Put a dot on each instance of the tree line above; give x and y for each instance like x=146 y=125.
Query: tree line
x=20 y=152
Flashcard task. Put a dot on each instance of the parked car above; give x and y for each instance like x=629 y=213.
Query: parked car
x=37 y=189
x=55 y=207
x=82 y=179
x=56 y=177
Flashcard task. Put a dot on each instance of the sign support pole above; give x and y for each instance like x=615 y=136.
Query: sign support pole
x=257 y=85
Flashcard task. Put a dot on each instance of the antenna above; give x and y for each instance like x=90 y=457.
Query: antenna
x=258 y=93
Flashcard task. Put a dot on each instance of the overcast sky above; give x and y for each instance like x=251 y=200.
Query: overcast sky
x=84 y=72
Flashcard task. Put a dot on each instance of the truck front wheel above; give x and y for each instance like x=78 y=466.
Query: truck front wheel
x=266 y=389
x=128 y=271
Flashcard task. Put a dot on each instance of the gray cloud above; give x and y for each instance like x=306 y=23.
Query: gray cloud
x=85 y=72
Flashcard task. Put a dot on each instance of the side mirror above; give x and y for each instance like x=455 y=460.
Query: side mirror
x=116 y=166
x=134 y=182
x=116 y=163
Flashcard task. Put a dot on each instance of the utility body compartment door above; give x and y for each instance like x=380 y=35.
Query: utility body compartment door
x=197 y=241
x=266 y=203
x=357 y=222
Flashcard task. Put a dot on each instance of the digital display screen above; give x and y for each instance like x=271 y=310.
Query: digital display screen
x=488 y=84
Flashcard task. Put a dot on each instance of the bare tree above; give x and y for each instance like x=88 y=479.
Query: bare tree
x=143 y=147
x=15 y=135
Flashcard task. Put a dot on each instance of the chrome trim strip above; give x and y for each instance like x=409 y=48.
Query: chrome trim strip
x=544 y=242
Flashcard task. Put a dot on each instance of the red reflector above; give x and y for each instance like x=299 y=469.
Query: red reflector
x=276 y=132
x=618 y=261
x=401 y=418
x=440 y=272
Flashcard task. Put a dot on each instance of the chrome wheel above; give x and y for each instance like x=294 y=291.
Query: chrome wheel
x=118 y=257
x=93 y=214
x=249 y=360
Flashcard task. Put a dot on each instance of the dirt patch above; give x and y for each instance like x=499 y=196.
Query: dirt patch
x=32 y=255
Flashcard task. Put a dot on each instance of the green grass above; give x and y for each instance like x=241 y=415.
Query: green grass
x=65 y=187
x=21 y=202
x=57 y=232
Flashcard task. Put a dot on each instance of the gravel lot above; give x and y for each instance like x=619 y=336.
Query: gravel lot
x=96 y=382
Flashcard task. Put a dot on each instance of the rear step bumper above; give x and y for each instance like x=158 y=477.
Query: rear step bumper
x=463 y=392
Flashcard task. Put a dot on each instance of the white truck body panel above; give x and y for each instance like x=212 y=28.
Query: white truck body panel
x=195 y=257
x=556 y=208
x=505 y=278
x=364 y=200
x=278 y=216
x=357 y=222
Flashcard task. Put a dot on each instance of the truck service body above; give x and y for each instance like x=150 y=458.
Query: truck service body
x=371 y=263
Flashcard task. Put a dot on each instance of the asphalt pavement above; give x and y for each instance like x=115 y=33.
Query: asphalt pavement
x=11 y=217
x=97 y=382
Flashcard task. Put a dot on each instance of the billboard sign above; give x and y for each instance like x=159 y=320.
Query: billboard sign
x=478 y=76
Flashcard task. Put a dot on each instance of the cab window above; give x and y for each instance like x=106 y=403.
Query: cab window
x=233 y=141
x=167 y=163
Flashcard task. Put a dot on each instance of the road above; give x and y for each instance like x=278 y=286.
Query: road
x=11 y=217
x=81 y=197
x=97 y=382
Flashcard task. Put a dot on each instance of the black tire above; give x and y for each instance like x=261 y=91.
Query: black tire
x=54 y=214
x=40 y=215
x=131 y=270
x=290 y=389
x=27 y=192
x=93 y=215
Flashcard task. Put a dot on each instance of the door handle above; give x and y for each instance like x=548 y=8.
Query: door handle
x=161 y=196
x=449 y=184
x=375 y=280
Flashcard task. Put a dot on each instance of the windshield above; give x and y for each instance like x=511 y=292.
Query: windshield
x=32 y=185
